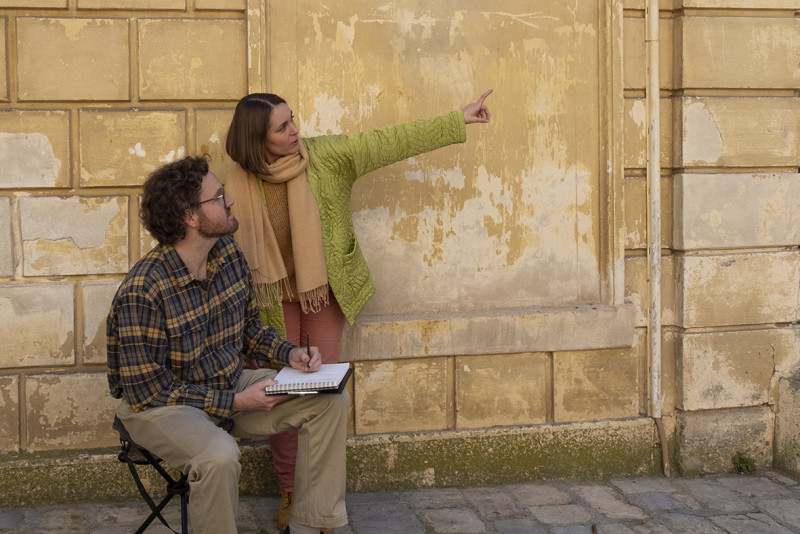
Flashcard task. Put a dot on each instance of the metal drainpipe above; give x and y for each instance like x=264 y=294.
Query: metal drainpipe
x=653 y=96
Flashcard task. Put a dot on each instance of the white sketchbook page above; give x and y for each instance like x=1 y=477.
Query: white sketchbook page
x=328 y=372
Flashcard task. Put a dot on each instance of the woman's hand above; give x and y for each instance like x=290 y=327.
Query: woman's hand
x=477 y=111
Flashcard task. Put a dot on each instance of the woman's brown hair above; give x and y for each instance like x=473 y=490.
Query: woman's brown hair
x=247 y=133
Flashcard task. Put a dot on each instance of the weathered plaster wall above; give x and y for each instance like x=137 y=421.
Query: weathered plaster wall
x=734 y=234
x=511 y=270
x=94 y=94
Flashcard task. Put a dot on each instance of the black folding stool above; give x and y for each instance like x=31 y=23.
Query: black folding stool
x=133 y=454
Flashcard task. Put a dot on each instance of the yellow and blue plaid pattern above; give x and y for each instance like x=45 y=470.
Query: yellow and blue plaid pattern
x=175 y=340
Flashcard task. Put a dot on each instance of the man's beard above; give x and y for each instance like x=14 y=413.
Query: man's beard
x=211 y=229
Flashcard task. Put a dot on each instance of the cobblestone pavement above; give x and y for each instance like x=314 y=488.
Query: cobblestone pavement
x=766 y=502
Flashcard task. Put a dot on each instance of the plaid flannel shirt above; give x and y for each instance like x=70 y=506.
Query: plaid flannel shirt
x=175 y=340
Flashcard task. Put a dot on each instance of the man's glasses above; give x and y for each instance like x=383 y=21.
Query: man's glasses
x=221 y=196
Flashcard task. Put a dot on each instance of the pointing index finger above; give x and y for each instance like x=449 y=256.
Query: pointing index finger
x=483 y=96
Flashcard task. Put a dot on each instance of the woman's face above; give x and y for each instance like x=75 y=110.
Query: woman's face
x=282 y=139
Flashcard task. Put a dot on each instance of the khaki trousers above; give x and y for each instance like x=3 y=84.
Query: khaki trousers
x=189 y=440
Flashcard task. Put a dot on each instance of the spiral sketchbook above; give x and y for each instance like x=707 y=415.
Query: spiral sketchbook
x=331 y=378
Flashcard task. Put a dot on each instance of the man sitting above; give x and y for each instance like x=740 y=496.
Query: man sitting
x=179 y=327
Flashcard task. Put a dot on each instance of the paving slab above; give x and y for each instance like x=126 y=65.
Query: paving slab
x=787 y=511
x=749 y=524
x=538 y=494
x=561 y=514
x=388 y=518
x=518 y=526
x=454 y=521
x=608 y=502
x=752 y=486
x=492 y=503
x=683 y=522
x=644 y=485
x=715 y=496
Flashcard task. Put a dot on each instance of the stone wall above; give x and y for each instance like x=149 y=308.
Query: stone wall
x=525 y=249
x=94 y=95
x=731 y=266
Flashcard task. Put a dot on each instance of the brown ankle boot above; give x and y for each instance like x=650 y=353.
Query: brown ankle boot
x=285 y=509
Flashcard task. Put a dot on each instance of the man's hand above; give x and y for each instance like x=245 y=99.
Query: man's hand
x=302 y=361
x=253 y=399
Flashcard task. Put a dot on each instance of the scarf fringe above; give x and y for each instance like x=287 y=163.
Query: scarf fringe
x=314 y=300
x=268 y=295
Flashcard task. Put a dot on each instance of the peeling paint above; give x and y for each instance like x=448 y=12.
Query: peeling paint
x=28 y=160
x=74 y=27
x=173 y=155
x=702 y=136
x=328 y=111
x=38 y=221
x=137 y=150
x=638 y=113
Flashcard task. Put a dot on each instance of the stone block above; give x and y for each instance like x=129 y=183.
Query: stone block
x=596 y=385
x=669 y=349
x=3 y=56
x=34 y=3
x=637 y=291
x=730 y=369
x=637 y=207
x=737 y=132
x=34 y=149
x=740 y=52
x=9 y=413
x=135 y=144
x=73 y=59
x=664 y=5
x=146 y=241
x=635 y=121
x=6 y=240
x=507 y=331
x=37 y=325
x=91 y=238
x=402 y=395
x=635 y=53
x=738 y=289
x=197 y=59
x=132 y=4
x=742 y=4
x=69 y=411
x=97 y=298
x=787 y=426
x=211 y=127
x=707 y=441
x=736 y=210
x=501 y=391
x=233 y=5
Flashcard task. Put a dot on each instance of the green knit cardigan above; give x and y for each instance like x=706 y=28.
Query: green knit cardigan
x=335 y=163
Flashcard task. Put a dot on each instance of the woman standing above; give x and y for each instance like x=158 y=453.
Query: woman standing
x=296 y=229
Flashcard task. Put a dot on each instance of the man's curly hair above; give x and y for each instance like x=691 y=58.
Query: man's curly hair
x=168 y=193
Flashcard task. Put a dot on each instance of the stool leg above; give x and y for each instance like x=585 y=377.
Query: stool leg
x=184 y=513
x=156 y=513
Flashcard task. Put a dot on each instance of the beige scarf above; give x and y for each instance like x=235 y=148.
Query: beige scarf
x=257 y=238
